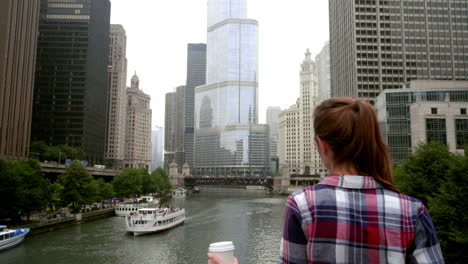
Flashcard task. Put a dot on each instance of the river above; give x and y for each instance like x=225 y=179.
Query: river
x=249 y=218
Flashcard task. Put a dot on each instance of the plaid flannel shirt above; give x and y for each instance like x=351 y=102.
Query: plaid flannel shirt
x=353 y=219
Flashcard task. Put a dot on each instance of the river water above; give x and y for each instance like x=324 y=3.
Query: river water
x=249 y=218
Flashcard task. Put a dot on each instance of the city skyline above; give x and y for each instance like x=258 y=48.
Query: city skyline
x=150 y=54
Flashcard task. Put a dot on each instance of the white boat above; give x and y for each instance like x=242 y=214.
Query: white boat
x=152 y=220
x=179 y=193
x=255 y=187
x=11 y=237
x=131 y=206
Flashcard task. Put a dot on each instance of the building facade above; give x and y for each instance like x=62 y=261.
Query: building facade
x=272 y=119
x=378 y=45
x=115 y=146
x=174 y=131
x=19 y=20
x=71 y=82
x=427 y=111
x=196 y=74
x=298 y=149
x=157 y=139
x=227 y=135
x=138 y=127
x=322 y=60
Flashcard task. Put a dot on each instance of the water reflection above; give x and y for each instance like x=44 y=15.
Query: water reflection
x=249 y=218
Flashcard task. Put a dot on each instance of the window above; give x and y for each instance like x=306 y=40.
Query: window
x=462 y=111
x=434 y=111
x=436 y=130
x=461 y=133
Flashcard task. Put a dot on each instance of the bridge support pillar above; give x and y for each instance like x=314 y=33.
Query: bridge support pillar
x=282 y=183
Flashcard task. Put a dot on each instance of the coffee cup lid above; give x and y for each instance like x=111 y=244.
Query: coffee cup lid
x=221 y=246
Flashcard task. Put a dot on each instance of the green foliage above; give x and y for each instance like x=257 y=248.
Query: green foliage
x=23 y=188
x=77 y=185
x=129 y=182
x=162 y=180
x=448 y=210
x=105 y=190
x=40 y=150
x=135 y=182
x=55 y=192
x=440 y=180
x=424 y=171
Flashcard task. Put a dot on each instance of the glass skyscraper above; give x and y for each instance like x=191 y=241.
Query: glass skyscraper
x=228 y=139
x=71 y=81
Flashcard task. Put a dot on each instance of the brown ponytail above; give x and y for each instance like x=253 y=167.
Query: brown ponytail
x=351 y=129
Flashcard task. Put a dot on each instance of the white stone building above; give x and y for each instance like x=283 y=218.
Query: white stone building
x=138 y=127
x=117 y=71
x=297 y=148
x=445 y=122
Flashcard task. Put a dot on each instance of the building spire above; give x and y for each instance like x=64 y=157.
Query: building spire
x=135 y=83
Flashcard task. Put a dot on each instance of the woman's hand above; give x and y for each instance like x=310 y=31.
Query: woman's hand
x=213 y=259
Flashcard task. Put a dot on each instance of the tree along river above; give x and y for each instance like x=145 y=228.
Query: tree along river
x=249 y=218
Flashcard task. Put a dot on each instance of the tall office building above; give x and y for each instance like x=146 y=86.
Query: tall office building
x=272 y=119
x=174 y=132
x=378 y=45
x=196 y=74
x=322 y=60
x=138 y=127
x=157 y=139
x=228 y=139
x=19 y=20
x=71 y=82
x=115 y=147
x=298 y=150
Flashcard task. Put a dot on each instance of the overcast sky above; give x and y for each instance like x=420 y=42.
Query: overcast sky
x=158 y=32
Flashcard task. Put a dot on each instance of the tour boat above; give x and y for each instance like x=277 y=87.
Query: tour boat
x=152 y=220
x=11 y=237
x=127 y=207
x=179 y=193
x=254 y=187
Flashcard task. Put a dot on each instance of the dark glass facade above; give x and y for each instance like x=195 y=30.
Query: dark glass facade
x=19 y=21
x=196 y=76
x=70 y=93
x=436 y=130
x=461 y=133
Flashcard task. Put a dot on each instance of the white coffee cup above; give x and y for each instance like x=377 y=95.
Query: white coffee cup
x=224 y=250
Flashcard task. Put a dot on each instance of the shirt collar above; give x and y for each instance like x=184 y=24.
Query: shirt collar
x=351 y=181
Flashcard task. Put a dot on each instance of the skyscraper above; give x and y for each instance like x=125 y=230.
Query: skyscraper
x=322 y=60
x=196 y=74
x=115 y=147
x=378 y=45
x=174 y=132
x=138 y=127
x=228 y=140
x=19 y=20
x=157 y=139
x=71 y=85
x=272 y=119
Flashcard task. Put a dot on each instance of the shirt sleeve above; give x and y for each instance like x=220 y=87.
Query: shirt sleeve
x=426 y=247
x=293 y=242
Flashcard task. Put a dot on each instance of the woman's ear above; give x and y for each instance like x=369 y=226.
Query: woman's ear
x=321 y=145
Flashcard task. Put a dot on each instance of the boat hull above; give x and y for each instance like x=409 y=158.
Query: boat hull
x=144 y=230
x=14 y=241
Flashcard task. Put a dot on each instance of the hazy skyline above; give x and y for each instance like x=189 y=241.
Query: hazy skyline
x=158 y=33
